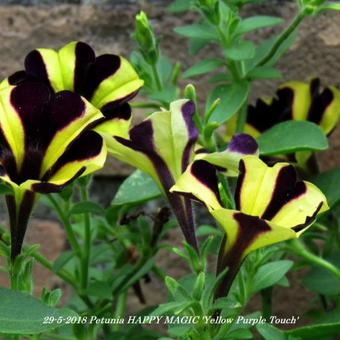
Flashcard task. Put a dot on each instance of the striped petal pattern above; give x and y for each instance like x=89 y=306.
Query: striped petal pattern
x=46 y=142
x=200 y=180
x=162 y=146
x=299 y=101
x=107 y=81
x=272 y=205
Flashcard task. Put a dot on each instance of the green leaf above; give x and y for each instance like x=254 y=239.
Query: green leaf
x=264 y=72
x=62 y=260
x=5 y=189
x=179 y=6
x=136 y=189
x=257 y=22
x=241 y=51
x=270 y=273
x=330 y=6
x=87 y=207
x=328 y=182
x=174 y=307
x=207 y=230
x=292 y=136
x=270 y=332
x=144 y=269
x=202 y=67
x=21 y=313
x=195 y=45
x=319 y=331
x=232 y=98
x=321 y=281
x=198 y=31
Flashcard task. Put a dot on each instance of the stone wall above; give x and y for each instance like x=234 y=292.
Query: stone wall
x=108 y=28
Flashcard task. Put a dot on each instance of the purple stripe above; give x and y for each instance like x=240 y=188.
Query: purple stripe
x=240 y=180
x=18 y=217
x=263 y=116
x=309 y=219
x=286 y=190
x=84 y=57
x=205 y=173
x=320 y=101
x=104 y=66
x=35 y=66
x=249 y=229
x=141 y=139
x=188 y=110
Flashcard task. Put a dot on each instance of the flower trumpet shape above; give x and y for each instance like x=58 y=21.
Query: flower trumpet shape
x=107 y=81
x=295 y=100
x=162 y=146
x=298 y=101
x=46 y=142
x=271 y=206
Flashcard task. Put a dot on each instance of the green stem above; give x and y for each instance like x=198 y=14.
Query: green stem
x=266 y=295
x=85 y=261
x=156 y=77
x=300 y=249
x=120 y=308
x=242 y=118
x=144 y=105
x=67 y=225
x=283 y=37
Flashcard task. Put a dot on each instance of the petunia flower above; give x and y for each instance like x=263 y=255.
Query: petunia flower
x=271 y=206
x=294 y=100
x=163 y=146
x=107 y=81
x=297 y=101
x=46 y=142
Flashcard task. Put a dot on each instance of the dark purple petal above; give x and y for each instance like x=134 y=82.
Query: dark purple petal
x=243 y=143
x=88 y=145
x=287 y=188
x=104 y=66
x=205 y=173
x=320 y=101
x=111 y=111
x=18 y=220
x=84 y=57
x=263 y=116
x=47 y=188
x=250 y=227
x=188 y=110
x=240 y=180
x=35 y=66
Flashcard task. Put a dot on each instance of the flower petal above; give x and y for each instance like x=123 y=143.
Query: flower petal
x=200 y=182
x=115 y=79
x=117 y=122
x=325 y=107
x=239 y=146
x=85 y=155
x=273 y=193
x=70 y=115
x=106 y=80
x=246 y=233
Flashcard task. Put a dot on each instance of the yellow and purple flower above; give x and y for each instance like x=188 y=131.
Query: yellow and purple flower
x=107 y=81
x=271 y=206
x=46 y=141
x=163 y=146
x=296 y=100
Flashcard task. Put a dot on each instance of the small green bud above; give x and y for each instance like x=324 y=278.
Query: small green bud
x=146 y=39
